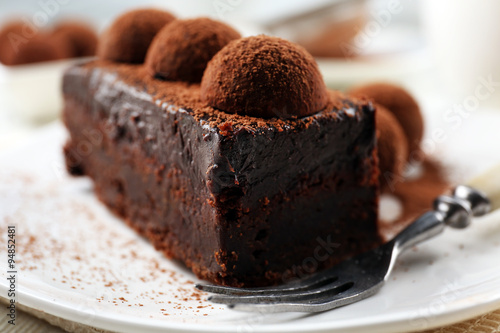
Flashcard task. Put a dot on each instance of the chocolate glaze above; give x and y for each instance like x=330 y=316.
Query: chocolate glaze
x=240 y=200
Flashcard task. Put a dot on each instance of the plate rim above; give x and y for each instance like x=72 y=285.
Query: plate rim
x=32 y=299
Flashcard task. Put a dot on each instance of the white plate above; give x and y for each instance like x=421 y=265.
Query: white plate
x=33 y=91
x=78 y=262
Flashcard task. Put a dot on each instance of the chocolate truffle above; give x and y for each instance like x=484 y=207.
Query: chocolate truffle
x=392 y=147
x=401 y=104
x=38 y=48
x=128 y=38
x=182 y=49
x=265 y=77
x=81 y=38
x=9 y=31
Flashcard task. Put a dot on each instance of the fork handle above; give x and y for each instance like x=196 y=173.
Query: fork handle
x=489 y=184
x=455 y=211
x=425 y=227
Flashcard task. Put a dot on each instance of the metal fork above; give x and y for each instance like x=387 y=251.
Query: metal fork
x=361 y=276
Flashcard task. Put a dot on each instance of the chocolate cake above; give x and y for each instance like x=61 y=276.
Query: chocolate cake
x=241 y=200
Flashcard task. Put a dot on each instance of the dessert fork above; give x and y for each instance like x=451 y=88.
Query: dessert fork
x=363 y=275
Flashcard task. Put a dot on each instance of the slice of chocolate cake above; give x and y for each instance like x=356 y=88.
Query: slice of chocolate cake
x=253 y=177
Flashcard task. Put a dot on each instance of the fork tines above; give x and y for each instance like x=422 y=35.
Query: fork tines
x=318 y=293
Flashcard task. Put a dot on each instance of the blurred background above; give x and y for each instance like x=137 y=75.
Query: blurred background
x=445 y=52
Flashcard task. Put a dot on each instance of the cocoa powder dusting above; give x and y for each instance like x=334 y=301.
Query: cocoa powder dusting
x=187 y=96
x=416 y=195
x=122 y=273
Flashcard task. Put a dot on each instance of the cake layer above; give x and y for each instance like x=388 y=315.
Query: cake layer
x=242 y=201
